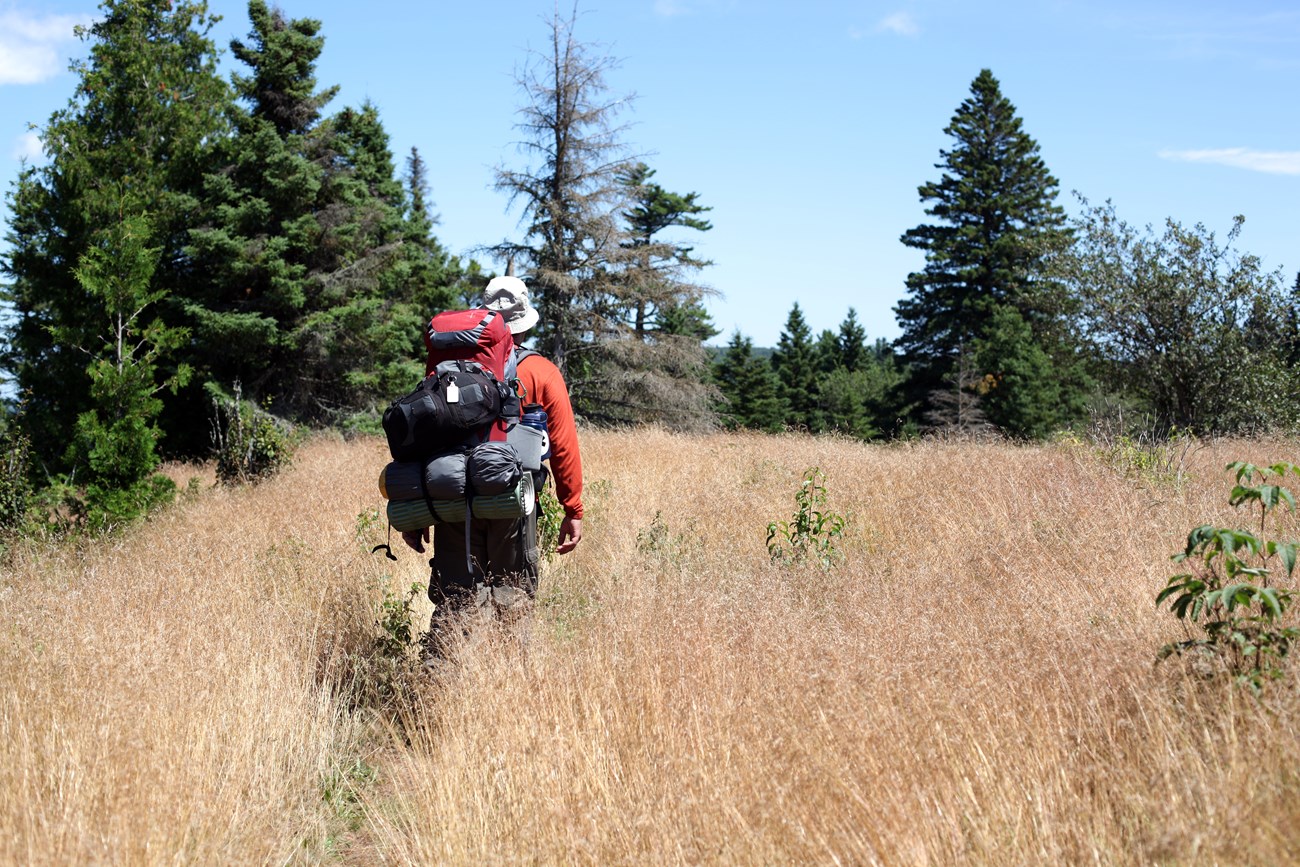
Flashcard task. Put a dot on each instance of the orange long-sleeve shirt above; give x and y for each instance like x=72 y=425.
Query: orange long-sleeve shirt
x=543 y=384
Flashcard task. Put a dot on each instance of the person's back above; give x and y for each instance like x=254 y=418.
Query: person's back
x=474 y=559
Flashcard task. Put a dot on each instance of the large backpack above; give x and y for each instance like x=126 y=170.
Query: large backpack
x=468 y=395
x=479 y=337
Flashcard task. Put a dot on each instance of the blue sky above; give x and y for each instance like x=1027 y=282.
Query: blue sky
x=806 y=125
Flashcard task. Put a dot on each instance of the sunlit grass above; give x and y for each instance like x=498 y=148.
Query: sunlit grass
x=974 y=684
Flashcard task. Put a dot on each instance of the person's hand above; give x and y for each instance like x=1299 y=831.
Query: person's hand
x=415 y=539
x=570 y=534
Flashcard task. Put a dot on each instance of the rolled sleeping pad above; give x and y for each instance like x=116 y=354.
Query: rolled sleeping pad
x=515 y=503
x=444 y=479
x=407 y=515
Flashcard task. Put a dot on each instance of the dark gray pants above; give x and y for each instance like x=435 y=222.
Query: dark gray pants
x=502 y=554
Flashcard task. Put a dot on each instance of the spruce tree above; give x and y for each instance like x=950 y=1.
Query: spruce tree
x=148 y=108
x=796 y=364
x=113 y=453
x=573 y=245
x=434 y=277
x=852 y=342
x=312 y=278
x=996 y=221
x=826 y=351
x=749 y=388
x=1019 y=392
x=656 y=268
x=590 y=264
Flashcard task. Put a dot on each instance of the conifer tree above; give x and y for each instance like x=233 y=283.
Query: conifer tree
x=996 y=221
x=795 y=362
x=826 y=351
x=312 y=279
x=573 y=246
x=656 y=268
x=749 y=388
x=586 y=264
x=114 y=452
x=852 y=342
x=435 y=277
x=147 y=109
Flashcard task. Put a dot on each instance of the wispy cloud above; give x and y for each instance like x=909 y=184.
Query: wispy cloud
x=670 y=8
x=901 y=23
x=30 y=45
x=1269 y=162
x=27 y=146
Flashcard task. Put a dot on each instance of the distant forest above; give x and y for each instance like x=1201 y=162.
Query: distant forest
x=192 y=241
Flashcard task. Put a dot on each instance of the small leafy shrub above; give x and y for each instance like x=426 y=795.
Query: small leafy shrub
x=393 y=640
x=1230 y=592
x=550 y=515
x=810 y=535
x=251 y=445
x=660 y=543
x=1145 y=456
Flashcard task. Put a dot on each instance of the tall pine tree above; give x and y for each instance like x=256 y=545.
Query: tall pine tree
x=147 y=110
x=996 y=221
x=796 y=364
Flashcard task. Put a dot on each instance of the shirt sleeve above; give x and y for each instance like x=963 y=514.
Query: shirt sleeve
x=544 y=385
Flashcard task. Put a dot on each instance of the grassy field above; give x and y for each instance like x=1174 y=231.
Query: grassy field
x=974 y=684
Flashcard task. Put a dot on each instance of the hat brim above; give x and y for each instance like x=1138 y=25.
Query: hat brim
x=525 y=322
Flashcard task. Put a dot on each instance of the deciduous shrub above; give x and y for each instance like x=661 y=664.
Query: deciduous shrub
x=810 y=535
x=1232 y=592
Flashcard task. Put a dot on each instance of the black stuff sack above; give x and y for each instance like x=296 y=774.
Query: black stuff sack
x=455 y=402
x=493 y=468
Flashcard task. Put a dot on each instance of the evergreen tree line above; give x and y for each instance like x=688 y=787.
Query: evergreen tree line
x=190 y=238
x=1026 y=322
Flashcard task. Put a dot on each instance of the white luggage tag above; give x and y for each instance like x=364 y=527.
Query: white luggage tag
x=453 y=393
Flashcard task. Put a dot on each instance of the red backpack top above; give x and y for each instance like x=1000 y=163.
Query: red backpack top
x=479 y=336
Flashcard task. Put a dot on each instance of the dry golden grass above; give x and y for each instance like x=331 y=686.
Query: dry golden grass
x=973 y=685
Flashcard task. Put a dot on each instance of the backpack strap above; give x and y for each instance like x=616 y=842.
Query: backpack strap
x=512 y=370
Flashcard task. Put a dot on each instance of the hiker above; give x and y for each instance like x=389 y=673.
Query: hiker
x=504 y=552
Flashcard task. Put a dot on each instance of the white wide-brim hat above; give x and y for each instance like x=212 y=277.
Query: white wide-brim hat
x=509 y=297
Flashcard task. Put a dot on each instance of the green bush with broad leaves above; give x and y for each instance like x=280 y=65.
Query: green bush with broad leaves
x=1237 y=590
x=812 y=532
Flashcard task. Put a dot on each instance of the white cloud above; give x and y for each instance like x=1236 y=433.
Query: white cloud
x=901 y=23
x=28 y=146
x=30 y=45
x=1270 y=162
x=670 y=8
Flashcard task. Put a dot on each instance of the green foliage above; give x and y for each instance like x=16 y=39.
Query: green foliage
x=996 y=218
x=749 y=387
x=1148 y=457
x=796 y=365
x=811 y=534
x=1229 y=592
x=15 y=475
x=393 y=640
x=1021 y=391
x=250 y=444
x=1195 y=330
x=140 y=126
x=114 y=444
x=550 y=516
